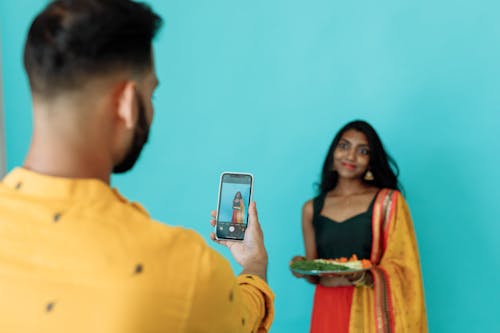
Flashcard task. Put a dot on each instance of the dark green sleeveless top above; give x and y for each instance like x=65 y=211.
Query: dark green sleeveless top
x=336 y=240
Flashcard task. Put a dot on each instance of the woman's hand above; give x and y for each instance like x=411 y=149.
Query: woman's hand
x=335 y=281
x=295 y=259
x=354 y=276
x=343 y=280
x=309 y=278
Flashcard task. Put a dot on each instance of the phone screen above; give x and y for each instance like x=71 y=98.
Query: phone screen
x=234 y=199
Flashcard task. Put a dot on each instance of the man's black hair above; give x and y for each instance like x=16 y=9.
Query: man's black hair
x=71 y=41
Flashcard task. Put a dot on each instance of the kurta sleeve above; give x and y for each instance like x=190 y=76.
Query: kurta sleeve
x=222 y=302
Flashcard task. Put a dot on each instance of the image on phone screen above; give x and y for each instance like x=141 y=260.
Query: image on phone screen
x=234 y=198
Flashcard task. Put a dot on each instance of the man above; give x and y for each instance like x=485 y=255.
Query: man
x=75 y=256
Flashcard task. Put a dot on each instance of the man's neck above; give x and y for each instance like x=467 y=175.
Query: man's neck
x=62 y=157
x=65 y=141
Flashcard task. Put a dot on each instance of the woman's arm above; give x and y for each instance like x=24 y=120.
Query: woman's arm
x=308 y=230
x=309 y=238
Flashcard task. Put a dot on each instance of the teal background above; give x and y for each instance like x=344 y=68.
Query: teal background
x=425 y=73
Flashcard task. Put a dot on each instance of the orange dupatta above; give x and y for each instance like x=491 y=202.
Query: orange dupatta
x=396 y=301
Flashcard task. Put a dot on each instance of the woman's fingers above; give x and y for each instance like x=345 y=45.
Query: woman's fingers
x=294 y=259
x=297 y=258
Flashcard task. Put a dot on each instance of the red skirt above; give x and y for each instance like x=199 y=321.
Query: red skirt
x=331 y=309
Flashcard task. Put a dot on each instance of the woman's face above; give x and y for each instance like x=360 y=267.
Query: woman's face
x=351 y=157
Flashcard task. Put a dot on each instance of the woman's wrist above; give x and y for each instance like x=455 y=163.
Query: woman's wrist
x=361 y=279
x=312 y=279
x=357 y=280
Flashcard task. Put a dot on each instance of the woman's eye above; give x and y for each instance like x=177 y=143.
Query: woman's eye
x=364 y=151
x=343 y=145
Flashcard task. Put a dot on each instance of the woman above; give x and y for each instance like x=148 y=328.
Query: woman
x=238 y=208
x=360 y=210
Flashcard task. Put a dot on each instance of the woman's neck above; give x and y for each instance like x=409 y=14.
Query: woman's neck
x=346 y=187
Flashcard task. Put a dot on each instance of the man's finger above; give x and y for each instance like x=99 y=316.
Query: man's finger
x=221 y=242
x=252 y=210
x=253 y=217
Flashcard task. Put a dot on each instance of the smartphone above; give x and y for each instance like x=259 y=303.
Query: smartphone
x=235 y=195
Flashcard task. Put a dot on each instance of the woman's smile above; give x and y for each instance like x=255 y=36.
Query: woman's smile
x=349 y=166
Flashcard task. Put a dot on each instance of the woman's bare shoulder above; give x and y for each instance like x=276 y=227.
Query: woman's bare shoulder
x=308 y=208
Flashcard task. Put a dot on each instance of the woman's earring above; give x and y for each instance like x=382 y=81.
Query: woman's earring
x=369 y=176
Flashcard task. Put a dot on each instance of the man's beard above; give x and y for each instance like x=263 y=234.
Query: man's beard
x=141 y=134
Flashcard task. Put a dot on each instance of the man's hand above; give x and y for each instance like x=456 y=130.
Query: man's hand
x=250 y=253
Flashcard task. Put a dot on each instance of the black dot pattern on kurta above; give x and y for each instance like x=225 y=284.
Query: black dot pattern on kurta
x=50 y=306
x=57 y=217
x=18 y=185
x=231 y=296
x=138 y=269
x=243 y=321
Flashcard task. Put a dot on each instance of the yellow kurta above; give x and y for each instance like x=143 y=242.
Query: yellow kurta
x=396 y=301
x=75 y=256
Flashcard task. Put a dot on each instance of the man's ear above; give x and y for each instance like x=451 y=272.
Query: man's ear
x=126 y=104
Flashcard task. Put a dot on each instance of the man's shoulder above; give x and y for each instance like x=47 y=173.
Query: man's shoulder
x=159 y=235
x=178 y=233
x=142 y=222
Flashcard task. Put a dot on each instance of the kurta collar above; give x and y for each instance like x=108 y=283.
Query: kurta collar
x=32 y=183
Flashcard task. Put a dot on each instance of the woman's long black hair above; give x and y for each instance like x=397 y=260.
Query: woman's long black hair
x=383 y=167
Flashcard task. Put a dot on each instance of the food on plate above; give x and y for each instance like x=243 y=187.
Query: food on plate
x=339 y=264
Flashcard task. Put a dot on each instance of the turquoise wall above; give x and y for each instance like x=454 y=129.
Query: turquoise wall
x=268 y=83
